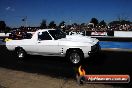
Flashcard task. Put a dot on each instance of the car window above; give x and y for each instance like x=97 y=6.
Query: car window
x=57 y=34
x=44 y=36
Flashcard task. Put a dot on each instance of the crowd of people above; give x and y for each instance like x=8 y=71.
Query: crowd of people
x=125 y=27
x=79 y=28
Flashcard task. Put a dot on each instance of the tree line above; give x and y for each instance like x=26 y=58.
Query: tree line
x=52 y=24
x=4 y=28
x=95 y=21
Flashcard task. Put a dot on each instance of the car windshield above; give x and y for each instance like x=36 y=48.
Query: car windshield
x=57 y=34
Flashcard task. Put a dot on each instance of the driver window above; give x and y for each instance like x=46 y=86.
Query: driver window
x=44 y=36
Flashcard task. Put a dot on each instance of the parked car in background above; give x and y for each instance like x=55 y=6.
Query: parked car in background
x=17 y=35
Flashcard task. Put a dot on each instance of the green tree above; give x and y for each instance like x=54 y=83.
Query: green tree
x=94 y=21
x=83 y=24
x=121 y=22
x=125 y=22
x=102 y=23
x=2 y=26
x=7 y=30
x=43 y=24
x=113 y=23
x=62 y=24
x=75 y=24
x=52 y=24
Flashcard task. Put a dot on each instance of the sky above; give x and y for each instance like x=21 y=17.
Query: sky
x=70 y=11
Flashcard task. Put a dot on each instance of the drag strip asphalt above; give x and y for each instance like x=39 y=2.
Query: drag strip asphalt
x=107 y=62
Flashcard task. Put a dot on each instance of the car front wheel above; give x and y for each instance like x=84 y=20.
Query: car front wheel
x=75 y=57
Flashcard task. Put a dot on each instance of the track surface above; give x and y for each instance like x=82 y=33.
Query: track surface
x=108 y=62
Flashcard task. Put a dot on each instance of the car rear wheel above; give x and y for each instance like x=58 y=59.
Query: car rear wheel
x=20 y=53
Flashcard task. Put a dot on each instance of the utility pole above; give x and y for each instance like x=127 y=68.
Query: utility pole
x=70 y=21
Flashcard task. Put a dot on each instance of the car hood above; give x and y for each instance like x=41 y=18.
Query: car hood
x=80 y=38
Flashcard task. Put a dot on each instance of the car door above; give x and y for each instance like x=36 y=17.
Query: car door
x=46 y=44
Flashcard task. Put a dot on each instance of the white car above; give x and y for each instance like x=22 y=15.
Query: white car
x=54 y=42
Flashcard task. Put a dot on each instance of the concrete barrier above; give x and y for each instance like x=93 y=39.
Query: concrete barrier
x=3 y=34
x=116 y=34
x=122 y=33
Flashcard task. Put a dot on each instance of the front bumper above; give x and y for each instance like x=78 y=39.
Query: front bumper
x=94 y=49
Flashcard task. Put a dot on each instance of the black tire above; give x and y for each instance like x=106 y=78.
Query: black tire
x=75 y=57
x=20 y=54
